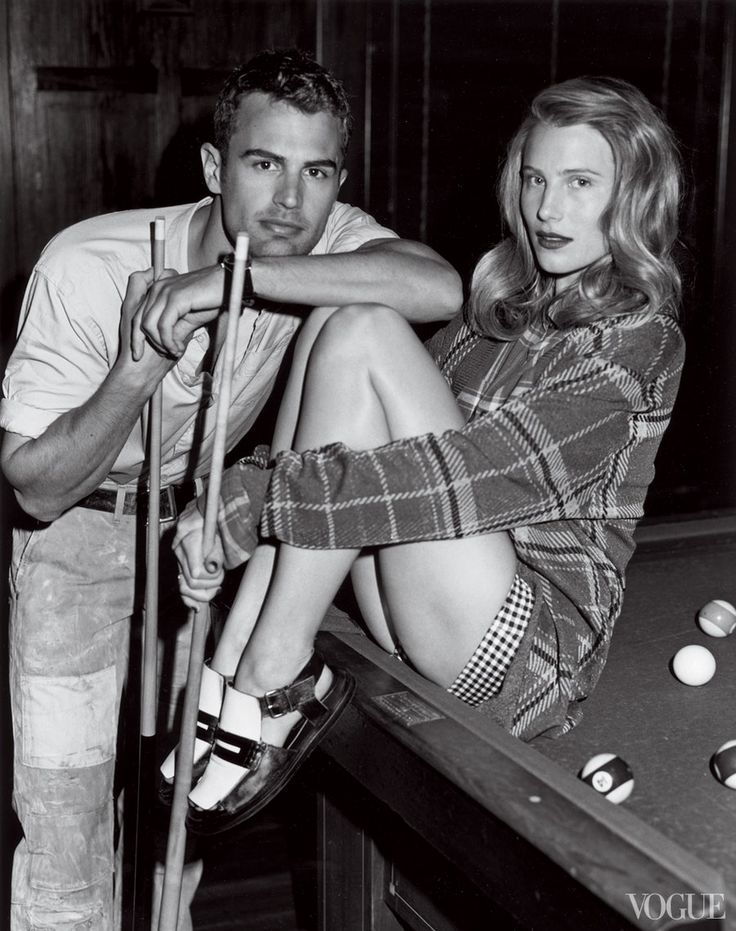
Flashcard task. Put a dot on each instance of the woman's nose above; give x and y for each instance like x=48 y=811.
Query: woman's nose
x=550 y=206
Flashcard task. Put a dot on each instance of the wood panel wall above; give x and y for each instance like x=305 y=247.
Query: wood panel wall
x=455 y=75
x=107 y=102
x=444 y=84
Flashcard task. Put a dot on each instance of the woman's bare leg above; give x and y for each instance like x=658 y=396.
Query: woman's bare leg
x=252 y=590
x=371 y=381
x=368 y=381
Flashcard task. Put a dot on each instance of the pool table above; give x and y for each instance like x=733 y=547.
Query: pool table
x=432 y=817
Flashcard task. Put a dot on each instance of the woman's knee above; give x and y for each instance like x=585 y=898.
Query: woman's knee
x=357 y=331
x=317 y=318
x=312 y=327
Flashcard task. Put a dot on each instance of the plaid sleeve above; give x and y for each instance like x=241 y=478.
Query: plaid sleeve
x=242 y=493
x=568 y=448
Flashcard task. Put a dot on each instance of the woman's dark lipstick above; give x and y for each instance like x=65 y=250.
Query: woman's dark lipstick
x=552 y=240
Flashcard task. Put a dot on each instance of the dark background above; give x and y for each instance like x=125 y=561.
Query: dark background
x=104 y=104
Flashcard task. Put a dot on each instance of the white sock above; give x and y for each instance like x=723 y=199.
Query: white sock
x=211 y=688
x=241 y=714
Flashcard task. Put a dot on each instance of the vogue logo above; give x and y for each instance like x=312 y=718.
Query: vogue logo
x=678 y=906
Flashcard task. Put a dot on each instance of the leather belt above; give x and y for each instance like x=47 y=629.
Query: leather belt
x=174 y=498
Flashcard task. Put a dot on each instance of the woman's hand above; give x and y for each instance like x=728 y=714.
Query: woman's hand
x=199 y=581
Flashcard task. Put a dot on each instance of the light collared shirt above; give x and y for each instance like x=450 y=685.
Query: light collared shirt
x=68 y=338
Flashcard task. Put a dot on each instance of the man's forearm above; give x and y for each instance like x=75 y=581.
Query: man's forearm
x=407 y=276
x=75 y=454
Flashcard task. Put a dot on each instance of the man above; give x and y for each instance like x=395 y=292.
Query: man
x=75 y=420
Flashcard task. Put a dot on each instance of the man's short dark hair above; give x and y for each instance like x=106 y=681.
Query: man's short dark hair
x=290 y=75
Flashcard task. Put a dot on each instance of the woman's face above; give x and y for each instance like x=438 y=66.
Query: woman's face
x=567 y=182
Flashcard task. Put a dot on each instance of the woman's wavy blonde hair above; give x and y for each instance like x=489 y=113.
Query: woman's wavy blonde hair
x=509 y=290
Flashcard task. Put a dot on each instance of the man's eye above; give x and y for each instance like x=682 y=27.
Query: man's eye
x=316 y=173
x=265 y=165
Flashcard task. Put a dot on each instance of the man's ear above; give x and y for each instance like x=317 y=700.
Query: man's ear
x=211 y=166
x=343 y=177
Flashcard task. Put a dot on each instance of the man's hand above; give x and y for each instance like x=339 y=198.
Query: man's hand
x=174 y=307
x=149 y=365
x=198 y=582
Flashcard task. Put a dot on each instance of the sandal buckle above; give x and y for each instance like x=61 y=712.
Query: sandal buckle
x=276 y=703
x=279 y=702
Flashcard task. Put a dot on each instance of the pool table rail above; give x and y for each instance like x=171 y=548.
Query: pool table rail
x=538 y=842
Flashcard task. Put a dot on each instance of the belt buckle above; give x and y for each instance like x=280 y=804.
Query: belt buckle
x=167 y=506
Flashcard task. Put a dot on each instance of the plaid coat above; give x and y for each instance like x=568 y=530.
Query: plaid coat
x=558 y=449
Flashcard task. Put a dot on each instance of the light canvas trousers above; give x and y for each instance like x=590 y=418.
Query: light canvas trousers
x=73 y=593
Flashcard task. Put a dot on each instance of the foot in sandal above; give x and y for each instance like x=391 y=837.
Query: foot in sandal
x=244 y=772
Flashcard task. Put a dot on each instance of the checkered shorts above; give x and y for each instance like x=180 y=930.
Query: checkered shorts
x=483 y=674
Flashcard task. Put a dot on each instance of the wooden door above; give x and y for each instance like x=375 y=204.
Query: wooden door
x=110 y=98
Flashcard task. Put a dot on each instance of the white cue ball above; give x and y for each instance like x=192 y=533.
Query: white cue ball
x=717 y=618
x=724 y=763
x=609 y=775
x=694 y=665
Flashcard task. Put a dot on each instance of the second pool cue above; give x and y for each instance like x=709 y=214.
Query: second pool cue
x=169 y=915
x=150 y=642
x=142 y=879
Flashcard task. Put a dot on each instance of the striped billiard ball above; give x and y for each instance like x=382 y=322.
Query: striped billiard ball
x=717 y=618
x=724 y=763
x=609 y=775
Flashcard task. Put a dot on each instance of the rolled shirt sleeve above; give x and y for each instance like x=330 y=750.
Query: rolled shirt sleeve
x=41 y=382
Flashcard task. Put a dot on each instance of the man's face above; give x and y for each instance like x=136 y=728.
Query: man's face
x=281 y=175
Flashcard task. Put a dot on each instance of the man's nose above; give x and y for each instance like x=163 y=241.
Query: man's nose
x=288 y=193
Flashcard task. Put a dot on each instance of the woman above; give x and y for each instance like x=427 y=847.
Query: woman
x=482 y=494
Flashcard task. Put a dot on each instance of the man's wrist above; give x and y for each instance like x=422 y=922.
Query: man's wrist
x=227 y=262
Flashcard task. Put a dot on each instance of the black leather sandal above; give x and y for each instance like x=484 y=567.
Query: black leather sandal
x=268 y=769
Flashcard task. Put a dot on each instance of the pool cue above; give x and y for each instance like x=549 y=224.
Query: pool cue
x=150 y=643
x=169 y=915
x=149 y=671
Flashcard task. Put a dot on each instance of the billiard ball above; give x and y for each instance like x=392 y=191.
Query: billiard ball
x=717 y=618
x=694 y=665
x=609 y=775
x=724 y=763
